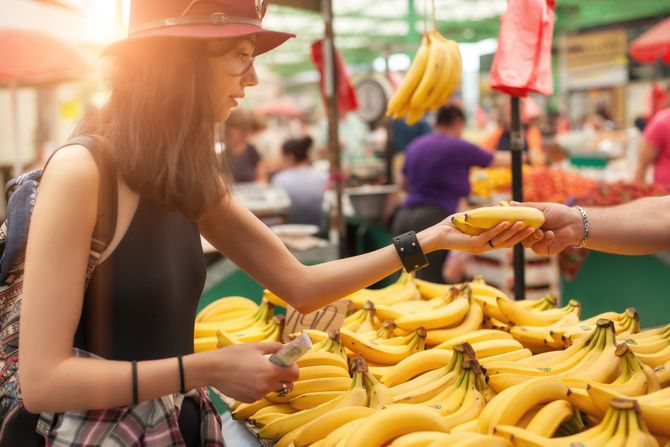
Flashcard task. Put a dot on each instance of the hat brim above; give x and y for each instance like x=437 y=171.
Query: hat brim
x=266 y=40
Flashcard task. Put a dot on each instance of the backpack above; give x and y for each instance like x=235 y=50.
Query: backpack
x=21 y=193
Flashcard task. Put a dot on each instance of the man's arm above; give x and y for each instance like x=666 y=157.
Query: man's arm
x=647 y=153
x=636 y=228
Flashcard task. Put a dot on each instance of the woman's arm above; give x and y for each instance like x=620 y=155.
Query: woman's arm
x=51 y=378
x=240 y=236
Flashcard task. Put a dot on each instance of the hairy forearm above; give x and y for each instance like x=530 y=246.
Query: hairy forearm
x=84 y=384
x=324 y=283
x=636 y=228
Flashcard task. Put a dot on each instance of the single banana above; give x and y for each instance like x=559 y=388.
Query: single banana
x=403 y=95
x=314 y=399
x=550 y=417
x=262 y=315
x=324 y=425
x=322 y=358
x=278 y=408
x=430 y=290
x=469 y=326
x=464 y=226
x=473 y=337
x=356 y=396
x=511 y=404
x=382 y=354
x=316 y=372
x=415 y=365
x=523 y=316
x=448 y=315
x=379 y=395
x=432 y=74
x=488 y=217
x=311 y=386
x=229 y=304
x=205 y=344
x=246 y=410
x=340 y=433
x=392 y=422
x=420 y=439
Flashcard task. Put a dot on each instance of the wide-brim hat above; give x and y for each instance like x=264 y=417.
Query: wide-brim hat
x=200 y=19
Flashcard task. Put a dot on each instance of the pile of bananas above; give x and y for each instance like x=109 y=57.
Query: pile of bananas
x=234 y=320
x=433 y=77
x=421 y=364
x=476 y=221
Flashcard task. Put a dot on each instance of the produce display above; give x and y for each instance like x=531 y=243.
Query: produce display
x=609 y=194
x=435 y=74
x=540 y=184
x=423 y=364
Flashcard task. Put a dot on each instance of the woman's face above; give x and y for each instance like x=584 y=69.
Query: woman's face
x=232 y=65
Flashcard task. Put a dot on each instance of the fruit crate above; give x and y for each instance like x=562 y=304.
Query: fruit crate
x=497 y=269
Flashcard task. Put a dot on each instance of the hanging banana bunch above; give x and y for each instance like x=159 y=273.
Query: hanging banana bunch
x=432 y=78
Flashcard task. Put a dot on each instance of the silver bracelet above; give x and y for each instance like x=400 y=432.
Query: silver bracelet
x=587 y=227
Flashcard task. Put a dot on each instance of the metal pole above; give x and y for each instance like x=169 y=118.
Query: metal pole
x=16 y=131
x=517 y=195
x=331 y=84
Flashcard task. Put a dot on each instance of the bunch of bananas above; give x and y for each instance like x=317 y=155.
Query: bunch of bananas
x=435 y=74
x=420 y=364
x=234 y=320
x=475 y=222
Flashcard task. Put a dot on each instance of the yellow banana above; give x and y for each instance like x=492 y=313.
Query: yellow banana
x=356 y=396
x=229 y=304
x=460 y=223
x=274 y=299
x=432 y=75
x=392 y=422
x=322 y=426
x=403 y=95
x=382 y=354
x=448 y=315
x=521 y=315
x=420 y=439
x=277 y=408
x=415 y=365
x=550 y=417
x=313 y=399
x=204 y=344
x=322 y=358
x=311 y=386
x=473 y=337
x=511 y=404
x=488 y=217
x=453 y=335
x=340 y=433
x=316 y=372
x=246 y=410
x=430 y=290
x=443 y=75
x=379 y=395
x=262 y=315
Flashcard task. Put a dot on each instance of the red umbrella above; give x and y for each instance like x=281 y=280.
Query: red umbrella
x=653 y=45
x=30 y=58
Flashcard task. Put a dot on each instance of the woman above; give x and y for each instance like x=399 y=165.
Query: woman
x=182 y=69
x=304 y=184
x=243 y=160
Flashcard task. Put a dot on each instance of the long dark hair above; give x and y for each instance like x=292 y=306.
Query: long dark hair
x=298 y=148
x=158 y=124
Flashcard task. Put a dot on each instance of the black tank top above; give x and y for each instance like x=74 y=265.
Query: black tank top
x=141 y=301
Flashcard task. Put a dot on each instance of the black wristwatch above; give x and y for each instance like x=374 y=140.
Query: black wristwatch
x=410 y=252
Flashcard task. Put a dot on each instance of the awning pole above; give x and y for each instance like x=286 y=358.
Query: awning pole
x=331 y=84
x=517 y=195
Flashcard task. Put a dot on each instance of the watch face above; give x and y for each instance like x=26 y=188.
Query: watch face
x=372 y=100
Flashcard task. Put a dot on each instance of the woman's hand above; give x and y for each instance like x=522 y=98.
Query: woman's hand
x=563 y=227
x=243 y=372
x=503 y=235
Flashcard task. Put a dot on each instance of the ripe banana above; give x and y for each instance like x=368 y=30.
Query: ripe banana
x=550 y=417
x=490 y=216
x=311 y=386
x=473 y=337
x=314 y=399
x=322 y=426
x=379 y=395
x=469 y=325
x=445 y=316
x=394 y=421
x=420 y=439
x=356 y=396
x=523 y=316
x=225 y=307
x=512 y=403
x=382 y=354
x=415 y=365
x=403 y=95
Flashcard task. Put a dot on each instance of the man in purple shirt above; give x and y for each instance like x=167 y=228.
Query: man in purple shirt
x=436 y=177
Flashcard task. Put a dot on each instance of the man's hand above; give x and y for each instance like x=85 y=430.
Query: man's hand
x=563 y=227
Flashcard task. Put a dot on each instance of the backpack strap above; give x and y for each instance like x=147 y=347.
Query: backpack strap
x=107 y=197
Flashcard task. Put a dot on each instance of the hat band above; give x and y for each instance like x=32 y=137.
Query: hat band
x=216 y=18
